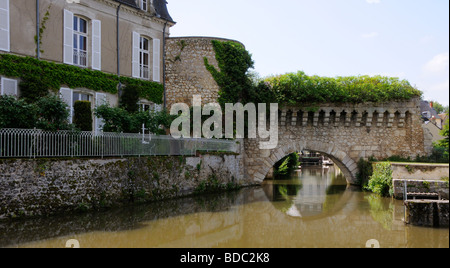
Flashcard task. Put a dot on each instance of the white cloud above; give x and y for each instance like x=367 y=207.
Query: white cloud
x=370 y=35
x=428 y=39
x=438 y=91
x=373 y=1
x=438 y=65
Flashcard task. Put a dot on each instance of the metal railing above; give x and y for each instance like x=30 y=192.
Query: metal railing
x=34 y=143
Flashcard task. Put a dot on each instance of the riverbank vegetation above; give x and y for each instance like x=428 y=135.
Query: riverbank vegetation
x=284 y=168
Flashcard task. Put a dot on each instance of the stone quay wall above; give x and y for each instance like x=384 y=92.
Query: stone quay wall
x=186 y=74
x=43 y=187
x=427 y=213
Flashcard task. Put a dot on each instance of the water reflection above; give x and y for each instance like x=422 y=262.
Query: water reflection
x=315 y=209
x=310 y=192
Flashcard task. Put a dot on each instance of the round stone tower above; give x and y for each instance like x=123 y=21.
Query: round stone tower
x=186 y=74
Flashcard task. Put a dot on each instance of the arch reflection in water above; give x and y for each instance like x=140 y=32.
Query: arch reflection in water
x=309 y=192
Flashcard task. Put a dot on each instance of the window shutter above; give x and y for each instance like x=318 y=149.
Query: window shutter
x=100 y=99
x=68 y=37
x=135 y=58
x=96 y=45
x=156 y=60
x=4 y=26
x=66 y=95
x=8 y=87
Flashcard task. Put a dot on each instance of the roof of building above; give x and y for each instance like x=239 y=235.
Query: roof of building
x=425 y=106
x=161 y=9
x=131 y=3
x=159 y=5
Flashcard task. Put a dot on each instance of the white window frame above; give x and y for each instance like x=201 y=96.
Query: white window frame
x=67 y=92
x=77 y=35
x=2 y=85
x=5 y=31
x=100 y=99
x=156 y=60
x=144 y=69
x=96 y=45
x=143 y=4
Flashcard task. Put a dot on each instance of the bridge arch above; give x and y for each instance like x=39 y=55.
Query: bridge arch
x=339 y=157
x=344 y=132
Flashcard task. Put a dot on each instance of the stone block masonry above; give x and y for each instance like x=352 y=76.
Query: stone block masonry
x=344 y=132
x=186 y=74
x=50 y=186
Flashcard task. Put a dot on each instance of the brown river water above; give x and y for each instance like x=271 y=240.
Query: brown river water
x=313 y=209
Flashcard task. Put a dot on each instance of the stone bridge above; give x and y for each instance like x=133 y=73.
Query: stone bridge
x=345 y=133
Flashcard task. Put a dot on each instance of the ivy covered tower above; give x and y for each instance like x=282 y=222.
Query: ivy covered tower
x=186 y=74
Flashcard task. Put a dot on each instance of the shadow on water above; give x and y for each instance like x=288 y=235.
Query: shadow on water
x=314 y=208
x=114 y=220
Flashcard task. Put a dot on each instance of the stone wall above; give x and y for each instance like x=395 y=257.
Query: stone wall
x=346 y=133
x=419 y=171
x=427 y=213
x=186 y=74
x=420 y=186
x=49 y=186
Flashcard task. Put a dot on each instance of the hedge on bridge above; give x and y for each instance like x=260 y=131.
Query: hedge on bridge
x=237 y=84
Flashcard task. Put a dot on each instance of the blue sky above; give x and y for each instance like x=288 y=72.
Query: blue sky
x=400 y=38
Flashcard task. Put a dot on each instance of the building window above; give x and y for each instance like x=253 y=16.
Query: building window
x=80 y=41
x=143 y=4
x=8 y=87
x=81 y=97
x=144 y=58
x=4 y=26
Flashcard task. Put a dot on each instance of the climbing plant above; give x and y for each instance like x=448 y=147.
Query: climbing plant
x=234 y=62
x=51 y=76
x=237 y=84
x=42 y=28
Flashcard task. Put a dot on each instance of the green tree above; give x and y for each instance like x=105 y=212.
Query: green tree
x=17 y=113
x=130 y=98
x=120 y=120
x=439 y=107
x=381 y=180
x=53 y=114
x=444 y=143
x=48 y=113
x=83 y=115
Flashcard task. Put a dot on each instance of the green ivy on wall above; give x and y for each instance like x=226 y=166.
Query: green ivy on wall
x=55 y=75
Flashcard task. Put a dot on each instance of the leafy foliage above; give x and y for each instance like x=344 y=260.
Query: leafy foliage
x=296 y=88
x=83 y=115
x=234 y=62
x=365 y=170
x=286 y=166
x=238 y=84
x=17 y=113
x=130 y=98
x=444 y=133
x=33 y=88
x=381 y=180
x=53 y=114
x=55 y=75
x=48 y=113
x=120 y=120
